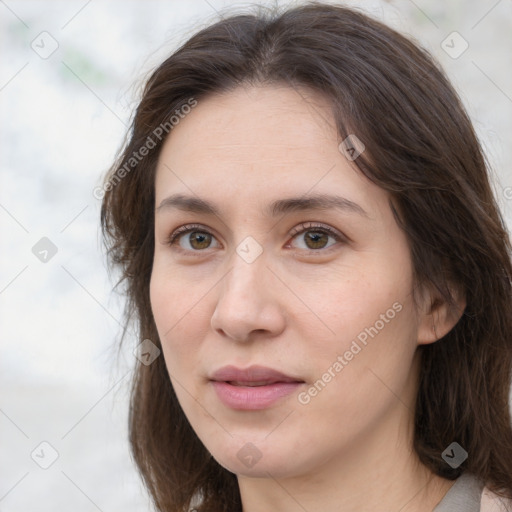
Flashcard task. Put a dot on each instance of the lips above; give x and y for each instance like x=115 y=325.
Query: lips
x=252 y=388
x=254 y=375
x=251 y=383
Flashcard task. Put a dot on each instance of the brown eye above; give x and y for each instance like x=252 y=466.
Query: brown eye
x=192 y=238
x=199 y=240
x=316 y=237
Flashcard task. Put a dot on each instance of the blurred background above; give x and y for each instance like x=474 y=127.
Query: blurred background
x=70 y=76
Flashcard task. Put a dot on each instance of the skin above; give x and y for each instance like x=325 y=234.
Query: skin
x=294 y=308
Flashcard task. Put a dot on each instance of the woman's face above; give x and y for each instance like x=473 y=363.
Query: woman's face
x=285 y=313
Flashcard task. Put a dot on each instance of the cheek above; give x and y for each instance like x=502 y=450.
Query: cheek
x=363 y=375
x=181 y=316
x=174 y=321
x=380 y=345
x=373 y=340
x=170 y=315
x=360 y=304
x=163 y=303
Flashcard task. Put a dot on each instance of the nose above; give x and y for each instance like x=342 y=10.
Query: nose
x=250 y=302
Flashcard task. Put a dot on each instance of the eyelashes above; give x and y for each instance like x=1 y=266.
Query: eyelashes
x=189 y=228
x=317 y=229
x=314 y=242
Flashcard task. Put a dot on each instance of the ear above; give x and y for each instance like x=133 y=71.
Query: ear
x=436 y=317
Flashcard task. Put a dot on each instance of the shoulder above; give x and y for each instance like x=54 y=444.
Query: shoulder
x=491 y=502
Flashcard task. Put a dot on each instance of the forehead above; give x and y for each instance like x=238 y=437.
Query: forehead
x=254 y=142
x=273 y=118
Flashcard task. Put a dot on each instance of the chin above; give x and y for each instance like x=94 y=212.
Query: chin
x=256 y=461
x=263 y=468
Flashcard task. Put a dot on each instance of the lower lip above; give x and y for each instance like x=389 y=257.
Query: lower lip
x=255 y=397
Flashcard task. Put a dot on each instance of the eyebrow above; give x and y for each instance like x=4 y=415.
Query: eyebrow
x=280 y=207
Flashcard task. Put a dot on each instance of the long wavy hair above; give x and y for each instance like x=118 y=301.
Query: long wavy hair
x=420 y=147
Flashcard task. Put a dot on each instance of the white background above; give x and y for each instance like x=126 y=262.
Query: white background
x=62 y=119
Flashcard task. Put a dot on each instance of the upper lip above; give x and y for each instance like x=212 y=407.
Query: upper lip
x=251 y=374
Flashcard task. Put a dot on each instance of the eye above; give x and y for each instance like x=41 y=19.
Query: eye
x=316 y=236
x=198 y=238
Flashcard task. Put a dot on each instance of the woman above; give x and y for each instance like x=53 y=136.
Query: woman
x=303 y=218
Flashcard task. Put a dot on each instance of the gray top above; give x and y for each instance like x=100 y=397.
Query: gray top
x=464 y=495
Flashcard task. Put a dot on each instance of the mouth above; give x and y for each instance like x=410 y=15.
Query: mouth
x=251 y=384
x=252 y=388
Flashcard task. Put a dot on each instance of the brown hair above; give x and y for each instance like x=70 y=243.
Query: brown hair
x=420 y=147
